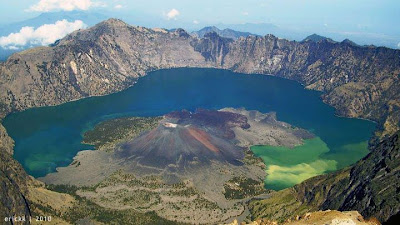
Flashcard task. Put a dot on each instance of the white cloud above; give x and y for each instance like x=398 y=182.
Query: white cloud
x=43 y=35
x=245 y=13
x=118 y=7
x=66 y=5
x=172 y=14
x=398 y=45
x=195 y=22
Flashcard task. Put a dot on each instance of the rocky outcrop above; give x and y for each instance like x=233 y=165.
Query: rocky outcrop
x=328 y=217
x=13 y=188
x=371 y=187
x=6 y=142
x=212 y=47
x=13 y=181
x=109 y=57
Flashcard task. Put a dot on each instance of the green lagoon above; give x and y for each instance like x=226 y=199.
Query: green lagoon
x=49 y=137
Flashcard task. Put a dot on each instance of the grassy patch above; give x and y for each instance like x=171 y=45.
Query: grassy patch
x=111 y=131
x=242 y=187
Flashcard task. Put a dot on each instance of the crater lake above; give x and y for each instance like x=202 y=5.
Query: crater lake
x=49 y=137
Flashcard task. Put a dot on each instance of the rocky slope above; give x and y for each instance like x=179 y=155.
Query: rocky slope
x=13 y=180
x=6 y=142
x=14 y=188
x=370 y=186
x=358 y=81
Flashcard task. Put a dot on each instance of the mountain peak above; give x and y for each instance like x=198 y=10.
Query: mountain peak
x=226 y=33
x=184 y=138
x=316 y=38
x=209 y=29
x=181 y=33
x=211 y=34
x=114 y=22
x=349 y=42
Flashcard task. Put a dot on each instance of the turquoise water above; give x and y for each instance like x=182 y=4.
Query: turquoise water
x=289 y=166
x=49 y=137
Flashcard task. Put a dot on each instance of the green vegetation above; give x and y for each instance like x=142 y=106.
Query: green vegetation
x=242 y=187
x=63 y=188
x=251 y=159
x=113 y=130
x=280 y=206
x=119 y=177
x=186 y=192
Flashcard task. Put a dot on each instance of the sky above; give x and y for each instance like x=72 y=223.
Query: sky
x=372 y=18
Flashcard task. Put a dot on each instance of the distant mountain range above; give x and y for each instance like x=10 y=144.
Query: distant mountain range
x=89 y=19
x=227 y=33
x=255 y=28
x=232 y=31
x=316 y=38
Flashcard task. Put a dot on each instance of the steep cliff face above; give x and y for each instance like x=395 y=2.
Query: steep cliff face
x=6 y=142
x=109 y=57
x=212 y=47
x=370 y=186
x=13 y=181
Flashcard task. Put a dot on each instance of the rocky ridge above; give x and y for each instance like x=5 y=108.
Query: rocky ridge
x=227 y=33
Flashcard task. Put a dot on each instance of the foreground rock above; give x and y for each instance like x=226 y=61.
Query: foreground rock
x=320 y=218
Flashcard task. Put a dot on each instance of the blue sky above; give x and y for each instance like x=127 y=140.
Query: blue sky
x=375 y=18
x=367 y=14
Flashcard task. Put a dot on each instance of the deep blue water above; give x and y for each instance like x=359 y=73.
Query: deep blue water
x=49 y=137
